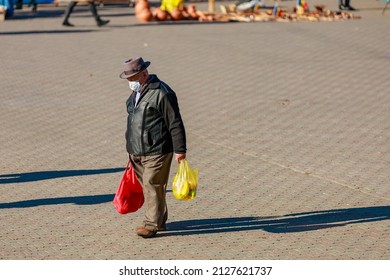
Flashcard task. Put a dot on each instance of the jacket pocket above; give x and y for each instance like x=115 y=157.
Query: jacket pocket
x=150 y=139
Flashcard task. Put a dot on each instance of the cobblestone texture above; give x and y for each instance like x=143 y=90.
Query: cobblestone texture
x=288 y=123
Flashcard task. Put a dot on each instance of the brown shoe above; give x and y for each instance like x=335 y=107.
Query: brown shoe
x=145 y=233
x=160 y=228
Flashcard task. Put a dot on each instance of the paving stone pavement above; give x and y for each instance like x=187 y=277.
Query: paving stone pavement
x=288 y=123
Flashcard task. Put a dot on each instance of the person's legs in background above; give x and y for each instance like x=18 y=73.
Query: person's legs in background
x=34 y=6
x=68 y=11
x=92 y=7
x=99 y=21
x=18 y=4
x=346 y=5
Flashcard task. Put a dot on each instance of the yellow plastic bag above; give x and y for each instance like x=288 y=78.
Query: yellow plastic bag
x=185 y=182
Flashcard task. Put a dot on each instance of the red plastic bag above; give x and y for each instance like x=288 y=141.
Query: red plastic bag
x=129 y=197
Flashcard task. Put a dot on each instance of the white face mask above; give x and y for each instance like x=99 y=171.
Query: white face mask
x=135 y=85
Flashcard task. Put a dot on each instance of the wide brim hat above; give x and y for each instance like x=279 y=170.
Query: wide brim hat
x=134 y=66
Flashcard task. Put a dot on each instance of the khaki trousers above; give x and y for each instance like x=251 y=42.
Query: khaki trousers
x=153 y=173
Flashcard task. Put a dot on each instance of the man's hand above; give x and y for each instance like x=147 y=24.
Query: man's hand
x=180 y=157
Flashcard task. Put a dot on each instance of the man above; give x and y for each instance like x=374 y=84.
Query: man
x=155 y=133
x=92 y=6
x=345 y=5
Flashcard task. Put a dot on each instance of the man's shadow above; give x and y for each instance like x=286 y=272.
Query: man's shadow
x=47 y=175
x=296 y=222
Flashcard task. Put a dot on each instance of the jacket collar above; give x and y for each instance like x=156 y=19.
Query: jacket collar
x=153 y=82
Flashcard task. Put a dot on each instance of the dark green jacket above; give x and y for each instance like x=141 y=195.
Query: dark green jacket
x=155 y=126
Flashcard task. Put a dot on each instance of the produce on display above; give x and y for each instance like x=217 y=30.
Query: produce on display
x=251 y=11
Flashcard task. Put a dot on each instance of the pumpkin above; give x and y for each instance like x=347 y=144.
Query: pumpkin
x=144 y=16
x=160 y=14
x=141 y=5
x=176 y=14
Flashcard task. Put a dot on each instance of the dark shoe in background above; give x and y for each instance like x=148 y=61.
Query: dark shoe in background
x=350 y=8
x=102 y=22
x=346 y=8
x=67 y=23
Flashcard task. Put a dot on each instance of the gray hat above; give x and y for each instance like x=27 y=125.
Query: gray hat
x=132 y=67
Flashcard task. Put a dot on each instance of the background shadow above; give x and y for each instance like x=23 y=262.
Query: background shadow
x=46 y=32
x=79 y=200
x=47 y=175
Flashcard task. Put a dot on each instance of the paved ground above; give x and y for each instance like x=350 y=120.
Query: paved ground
x=288 y=123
